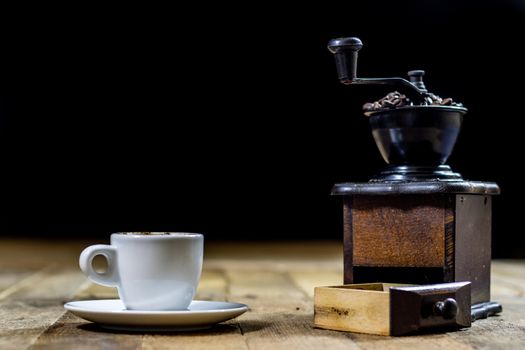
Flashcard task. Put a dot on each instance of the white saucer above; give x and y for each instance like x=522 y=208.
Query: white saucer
x=112 y=314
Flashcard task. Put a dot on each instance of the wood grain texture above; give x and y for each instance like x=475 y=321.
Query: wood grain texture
x=403 y=231
x=450 y=233
x=362 y=311
x=33 y=304
x=308 y=280
x=10 y=277
x=275 y=280
x=71 y=332
x=281 y=315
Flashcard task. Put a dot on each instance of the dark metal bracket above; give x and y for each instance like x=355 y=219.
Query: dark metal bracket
x=485 y=310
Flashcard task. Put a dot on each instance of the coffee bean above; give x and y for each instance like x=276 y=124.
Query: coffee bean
x=369 y=106
x=396 y=99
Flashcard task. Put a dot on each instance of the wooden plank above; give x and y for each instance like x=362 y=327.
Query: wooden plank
x=281 y=315
x=427 y=342
x=71 y=332
x=221 y=337
x=10 y=276
x=91 y=290
x=513 y=312
x=212 y=286
x=504 y=286
x=57 y=283
x=508 y=288
x=277 y=285
x=15 y=278
x=263 y=284
x=510 y=273
x=24 y=321
x=68 y=329
x=493 y=333
x=34 y=304
x=398 y=232
x=51 y=282
x=306 y=281
x=40 y=252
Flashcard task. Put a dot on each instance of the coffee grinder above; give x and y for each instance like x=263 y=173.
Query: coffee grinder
x=417 y=221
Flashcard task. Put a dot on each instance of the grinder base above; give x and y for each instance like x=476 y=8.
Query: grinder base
x=417 y=173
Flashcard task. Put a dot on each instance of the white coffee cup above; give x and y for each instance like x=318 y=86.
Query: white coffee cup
x=152 y=271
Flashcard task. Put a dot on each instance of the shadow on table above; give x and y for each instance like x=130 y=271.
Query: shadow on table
x=220 y=329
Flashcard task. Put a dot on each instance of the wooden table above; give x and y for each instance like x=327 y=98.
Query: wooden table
x=275 y=279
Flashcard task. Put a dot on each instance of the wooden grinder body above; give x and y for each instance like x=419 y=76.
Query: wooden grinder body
x=420 y=238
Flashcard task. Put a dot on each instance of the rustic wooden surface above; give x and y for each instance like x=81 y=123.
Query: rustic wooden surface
x=276 y=280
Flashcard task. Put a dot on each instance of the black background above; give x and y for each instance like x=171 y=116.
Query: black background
x=230 y=120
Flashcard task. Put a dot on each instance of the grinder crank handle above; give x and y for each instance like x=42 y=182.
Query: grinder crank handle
x=345 y=54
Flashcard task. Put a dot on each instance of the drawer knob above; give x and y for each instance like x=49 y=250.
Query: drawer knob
x=448 y=309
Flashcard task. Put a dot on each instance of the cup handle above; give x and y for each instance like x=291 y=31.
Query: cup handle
x=108 y=278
